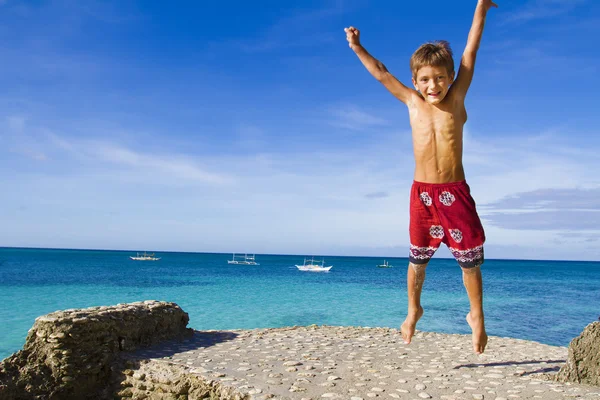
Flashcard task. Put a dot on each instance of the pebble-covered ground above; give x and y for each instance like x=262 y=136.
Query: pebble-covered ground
x=326 y=362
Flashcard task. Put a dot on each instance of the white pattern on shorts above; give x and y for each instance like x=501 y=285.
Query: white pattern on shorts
x=425 y=198
x=421 y=253
x=436 y=231
x=447 y=198
x=473 y=255
x=456 y=235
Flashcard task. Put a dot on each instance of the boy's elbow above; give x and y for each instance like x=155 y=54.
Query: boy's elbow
x=379 y=76
x=380 y=71
x=471 y=50
x=468 y=58
x=382 y=76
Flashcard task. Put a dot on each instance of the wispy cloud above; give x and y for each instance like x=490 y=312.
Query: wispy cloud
x=41 y=143
x=352 y=117
x=290 y=31
x=547 y=209
x=359 y=199
x=542 y=9
x=175 y=166
x=377 y=195
x=268 y=196
x=553 y=220
x=535 y=188
x=544 y=199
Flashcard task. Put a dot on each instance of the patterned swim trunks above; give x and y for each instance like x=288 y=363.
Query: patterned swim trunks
x=445 y=213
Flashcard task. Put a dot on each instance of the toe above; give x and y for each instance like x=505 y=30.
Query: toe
x=405 y=335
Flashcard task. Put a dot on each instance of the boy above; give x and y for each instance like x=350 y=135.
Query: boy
x=441 y=207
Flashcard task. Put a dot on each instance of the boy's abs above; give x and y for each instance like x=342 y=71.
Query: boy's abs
x=432 y=167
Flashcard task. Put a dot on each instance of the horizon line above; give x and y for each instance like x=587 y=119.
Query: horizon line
x=272 y=254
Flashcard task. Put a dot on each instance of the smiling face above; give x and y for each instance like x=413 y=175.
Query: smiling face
x=433 y=83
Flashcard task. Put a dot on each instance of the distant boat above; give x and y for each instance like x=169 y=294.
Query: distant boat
x=145 y=257
x=243 y=260
x=385 y=265
x=313 y=265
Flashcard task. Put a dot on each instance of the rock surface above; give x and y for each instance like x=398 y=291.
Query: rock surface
x=583 y=363
x=68 y=354
x=327 y=362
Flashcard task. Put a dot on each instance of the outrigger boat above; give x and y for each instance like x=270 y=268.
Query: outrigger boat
x=145 y=257
x=313 y=265
x=385 y=265
x=243 y=260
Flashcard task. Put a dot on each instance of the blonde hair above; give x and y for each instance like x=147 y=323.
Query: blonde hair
x=435 y=54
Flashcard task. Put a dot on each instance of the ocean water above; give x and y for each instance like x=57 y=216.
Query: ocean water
x=544 y=301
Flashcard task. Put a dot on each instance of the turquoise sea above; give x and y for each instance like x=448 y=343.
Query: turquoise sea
x=544 y=301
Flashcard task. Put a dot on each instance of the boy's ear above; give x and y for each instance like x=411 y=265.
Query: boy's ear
x=414 y=82
x=452 y=77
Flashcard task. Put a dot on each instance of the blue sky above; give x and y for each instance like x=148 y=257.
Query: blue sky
x=252 y=127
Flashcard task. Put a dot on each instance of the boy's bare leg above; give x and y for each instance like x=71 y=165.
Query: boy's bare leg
x=414 y=283
x=474 y=285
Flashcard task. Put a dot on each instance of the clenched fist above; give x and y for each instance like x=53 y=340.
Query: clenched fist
x=352 y=36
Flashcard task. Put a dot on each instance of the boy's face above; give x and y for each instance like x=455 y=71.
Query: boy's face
x=433 y=83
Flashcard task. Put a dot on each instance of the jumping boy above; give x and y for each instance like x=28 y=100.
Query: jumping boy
x=441 y=207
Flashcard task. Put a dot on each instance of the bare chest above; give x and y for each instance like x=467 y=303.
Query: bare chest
x=430 y=122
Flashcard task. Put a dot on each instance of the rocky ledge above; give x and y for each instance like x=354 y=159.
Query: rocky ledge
x=144 y=351
x=69 y=354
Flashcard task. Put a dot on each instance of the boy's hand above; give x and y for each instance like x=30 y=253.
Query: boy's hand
x=487 y=4
x=352 y=36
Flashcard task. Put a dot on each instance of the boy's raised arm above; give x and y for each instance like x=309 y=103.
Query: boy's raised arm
x=376 y=67
x=467 y=62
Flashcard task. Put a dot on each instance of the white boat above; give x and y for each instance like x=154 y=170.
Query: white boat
x=313 y=265
x=145 y=257
x=385 y=265
x=243 y=259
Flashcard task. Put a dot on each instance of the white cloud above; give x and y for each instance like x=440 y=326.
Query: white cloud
x=352 y=117
x=542 y=9
x=351 y=201
x=542 y=168
x=81 y=154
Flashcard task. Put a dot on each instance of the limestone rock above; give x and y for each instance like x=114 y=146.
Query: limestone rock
x=68 y=354
x=583 y=363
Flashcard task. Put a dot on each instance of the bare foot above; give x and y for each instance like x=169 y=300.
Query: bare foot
x=408 y=326
x=479 y=336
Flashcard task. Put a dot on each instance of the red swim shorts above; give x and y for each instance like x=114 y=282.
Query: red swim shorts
x=445 y=213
